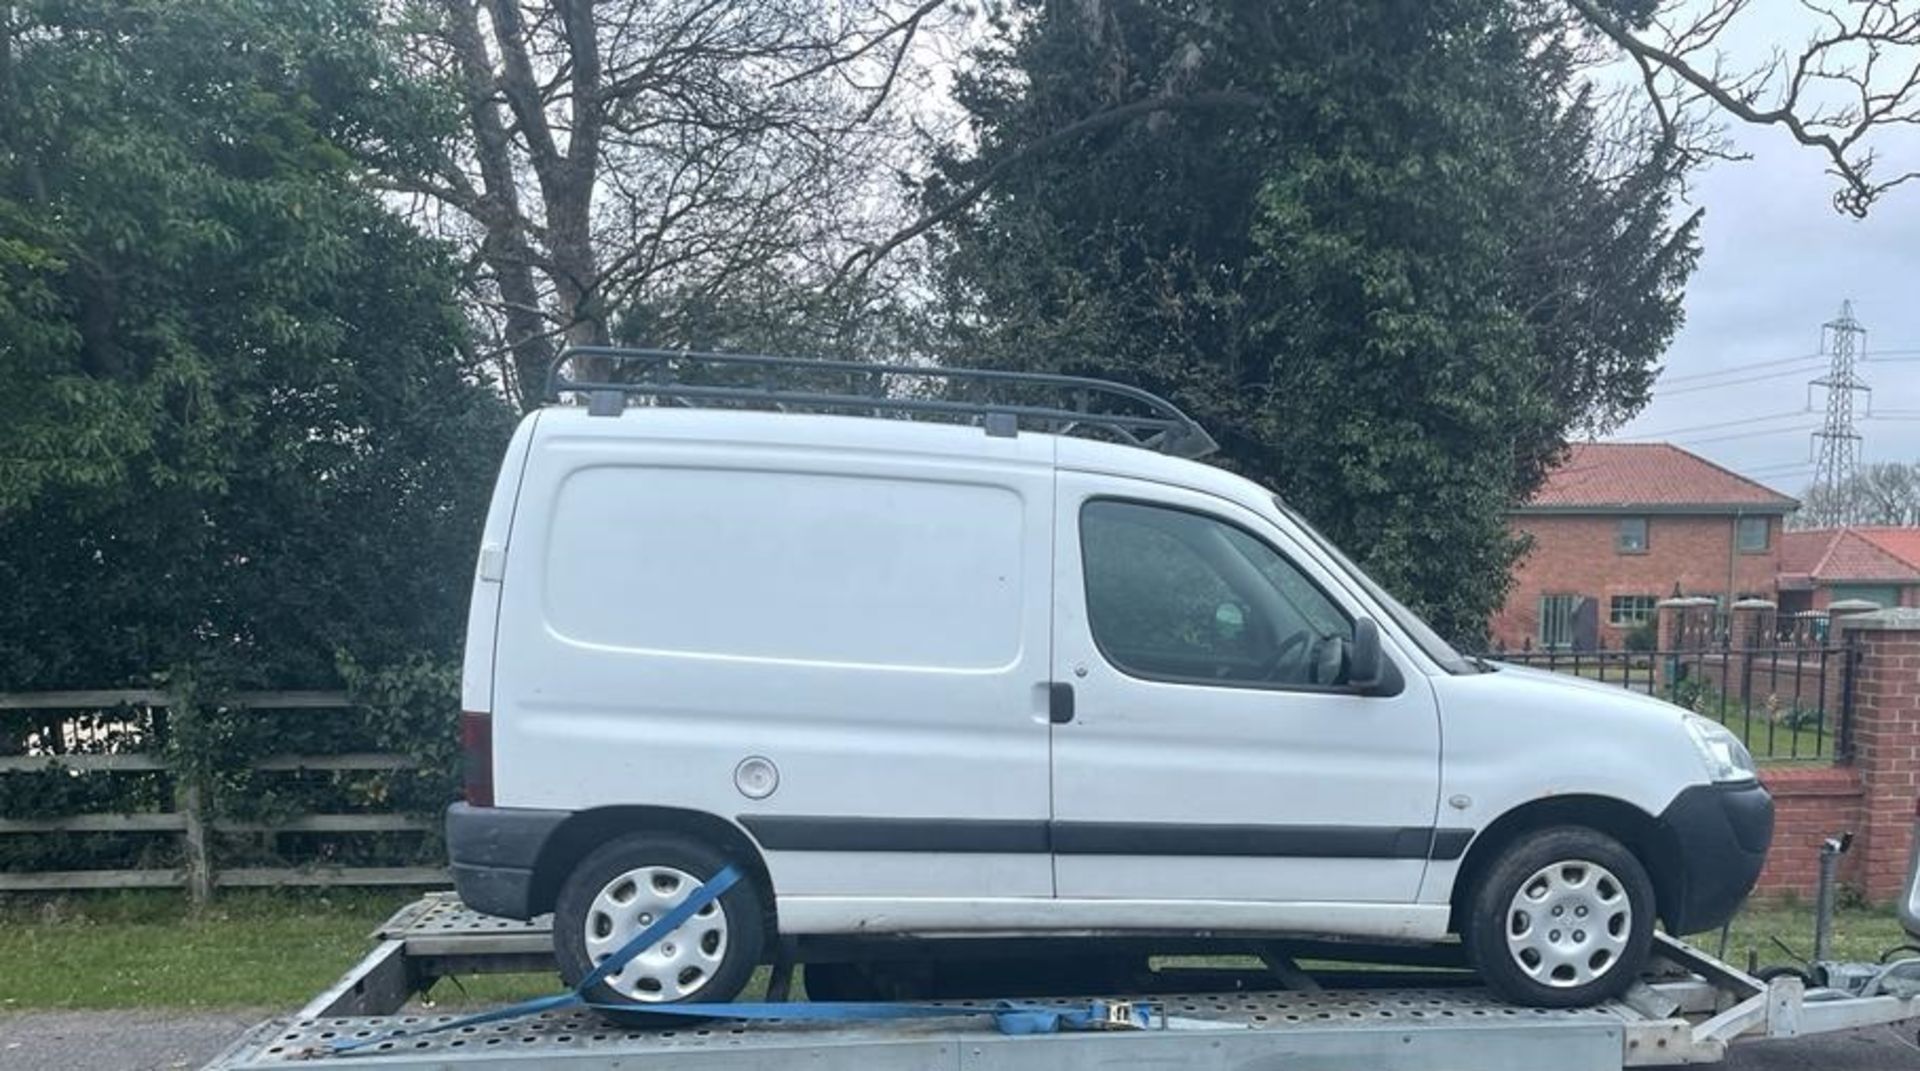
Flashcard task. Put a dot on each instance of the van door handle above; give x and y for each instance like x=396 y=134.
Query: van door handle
x=1060 y=703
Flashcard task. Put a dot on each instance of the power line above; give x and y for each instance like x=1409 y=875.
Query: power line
x=1711 y=427
x=1746 y=435
x=1692 y=382
x=1743 y=368
x=1696 y=388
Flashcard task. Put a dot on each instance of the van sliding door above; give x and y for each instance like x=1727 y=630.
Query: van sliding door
x=845 y=652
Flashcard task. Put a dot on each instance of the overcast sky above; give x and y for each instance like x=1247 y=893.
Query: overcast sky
x=1778 y=261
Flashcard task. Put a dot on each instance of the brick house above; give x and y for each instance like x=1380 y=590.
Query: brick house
x=1822 y=566
x=1619 y=526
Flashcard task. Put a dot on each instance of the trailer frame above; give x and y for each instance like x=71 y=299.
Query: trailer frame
x=1687 y=1010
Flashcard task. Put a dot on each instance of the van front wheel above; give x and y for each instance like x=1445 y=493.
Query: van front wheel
x=1562 y=918
x=621 y=888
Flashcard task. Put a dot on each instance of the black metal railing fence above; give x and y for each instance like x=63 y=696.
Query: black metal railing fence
x=1787 y=692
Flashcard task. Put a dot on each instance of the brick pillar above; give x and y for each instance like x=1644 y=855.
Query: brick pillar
x=1754 y=621
x=1886 y=741
x=1685 y=624
x=1750 y=629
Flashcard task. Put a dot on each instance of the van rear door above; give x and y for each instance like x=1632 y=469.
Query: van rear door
x=483 y=606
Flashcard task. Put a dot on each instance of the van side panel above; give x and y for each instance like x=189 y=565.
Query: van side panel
x=483 y=606
x=875 y=625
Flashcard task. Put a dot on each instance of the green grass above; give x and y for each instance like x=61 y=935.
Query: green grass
x=275 y=950
x=254 y=948
x=1785 y=745
x=1859 y=933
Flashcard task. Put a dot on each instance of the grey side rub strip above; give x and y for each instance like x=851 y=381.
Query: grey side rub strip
x=801 y=833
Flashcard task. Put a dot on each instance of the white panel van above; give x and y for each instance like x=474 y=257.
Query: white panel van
x=948 y=676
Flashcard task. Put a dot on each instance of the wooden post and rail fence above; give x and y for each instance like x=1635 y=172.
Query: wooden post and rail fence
x=199 y=872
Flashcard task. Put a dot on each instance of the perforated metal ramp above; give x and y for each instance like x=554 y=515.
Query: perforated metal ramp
x=1432 y=1030
x=439 y=924
x=1687 y=1010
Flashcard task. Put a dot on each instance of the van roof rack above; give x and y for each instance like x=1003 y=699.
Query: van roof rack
x=1063 y=405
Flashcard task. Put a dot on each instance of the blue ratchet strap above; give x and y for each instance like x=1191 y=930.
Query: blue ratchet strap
x=1016 y=1019
x=1009 y=1017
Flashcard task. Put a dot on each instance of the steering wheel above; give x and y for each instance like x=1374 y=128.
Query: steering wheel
x=1269 y=667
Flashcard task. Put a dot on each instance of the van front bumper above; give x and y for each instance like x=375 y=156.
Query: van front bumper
x=1721 y=833
x=493 y=851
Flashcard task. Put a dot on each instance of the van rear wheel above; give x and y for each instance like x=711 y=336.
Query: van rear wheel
x=1562 y=918
x=622 y=888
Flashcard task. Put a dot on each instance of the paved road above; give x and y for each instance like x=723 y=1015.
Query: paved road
x=117 y=1040
x=1879 y=1049
x=165 y=1041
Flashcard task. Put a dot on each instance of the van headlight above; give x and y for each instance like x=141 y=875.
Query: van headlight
x=1726 y=757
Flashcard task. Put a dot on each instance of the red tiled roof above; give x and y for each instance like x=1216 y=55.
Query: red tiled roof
x=1829 y=555
x=1902 y=543
x=1616 y=476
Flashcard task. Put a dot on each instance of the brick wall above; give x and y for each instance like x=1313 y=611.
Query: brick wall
x=1874 y=795
x=1574 y=554
x=1811 y=803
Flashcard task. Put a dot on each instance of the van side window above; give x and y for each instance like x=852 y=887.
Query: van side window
x=1177 y=595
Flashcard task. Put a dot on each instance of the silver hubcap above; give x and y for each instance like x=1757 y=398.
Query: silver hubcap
x=1569 y=923
x=679 y=964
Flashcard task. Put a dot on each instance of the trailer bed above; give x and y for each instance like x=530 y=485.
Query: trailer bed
x=1688 y=1013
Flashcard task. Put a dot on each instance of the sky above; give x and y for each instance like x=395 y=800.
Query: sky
x=1778 y=260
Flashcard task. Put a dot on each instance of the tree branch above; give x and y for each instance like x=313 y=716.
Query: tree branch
x=908 y=24
x=518 y=82
x=1738 y=100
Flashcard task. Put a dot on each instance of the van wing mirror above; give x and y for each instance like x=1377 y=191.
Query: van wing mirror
x=1366 y=667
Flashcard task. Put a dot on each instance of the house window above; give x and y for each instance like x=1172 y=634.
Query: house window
x=1556 y=620
x=1753 y=534
x=1626 y=611
x=1631 y=537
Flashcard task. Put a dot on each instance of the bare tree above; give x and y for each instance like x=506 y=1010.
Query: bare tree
x=1856 y=74
x=620 y=151
x=1883 y=494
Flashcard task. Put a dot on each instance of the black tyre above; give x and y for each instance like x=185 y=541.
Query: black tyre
x=621 y=888
x=1562 y=918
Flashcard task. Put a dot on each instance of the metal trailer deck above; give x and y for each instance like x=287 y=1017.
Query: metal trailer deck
x=1688 y=1012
